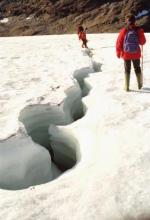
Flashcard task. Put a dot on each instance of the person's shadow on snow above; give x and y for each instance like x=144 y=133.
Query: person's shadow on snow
x=143 y=90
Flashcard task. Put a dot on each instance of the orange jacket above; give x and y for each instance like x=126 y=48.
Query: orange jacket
x=120 y=41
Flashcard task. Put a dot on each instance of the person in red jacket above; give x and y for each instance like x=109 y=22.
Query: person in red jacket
x=128 y=47
x=82 y=36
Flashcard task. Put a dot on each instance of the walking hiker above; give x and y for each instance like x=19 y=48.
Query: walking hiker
x=82 y=36
x=128 y=47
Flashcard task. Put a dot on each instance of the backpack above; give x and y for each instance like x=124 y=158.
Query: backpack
x=131 y=41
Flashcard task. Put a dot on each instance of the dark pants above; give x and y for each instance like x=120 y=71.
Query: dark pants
x=136 y=65
x=84 y=43
x=137 y=69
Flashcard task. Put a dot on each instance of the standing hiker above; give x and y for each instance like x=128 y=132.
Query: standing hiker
x=128 y=47
x=82 y=36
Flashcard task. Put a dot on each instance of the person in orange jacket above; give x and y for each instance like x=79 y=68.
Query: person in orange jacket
x=128 y=47
x=82 y=36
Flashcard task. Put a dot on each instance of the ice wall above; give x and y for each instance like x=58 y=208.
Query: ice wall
x=24 y=163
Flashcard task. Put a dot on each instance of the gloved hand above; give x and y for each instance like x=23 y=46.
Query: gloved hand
x=118 y=55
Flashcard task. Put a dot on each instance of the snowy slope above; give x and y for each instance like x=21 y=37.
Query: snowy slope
x=111 y=141
x=33 y=70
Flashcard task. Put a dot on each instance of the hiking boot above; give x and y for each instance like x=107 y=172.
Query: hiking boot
x=139 y=80
x=127 y=82
x=127 y=89
x=140 y=86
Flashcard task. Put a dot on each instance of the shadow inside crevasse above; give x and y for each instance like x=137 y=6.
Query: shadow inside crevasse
x=85 y=72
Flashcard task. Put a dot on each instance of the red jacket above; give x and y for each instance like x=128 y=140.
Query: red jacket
x=119 y=45
x=82 y=35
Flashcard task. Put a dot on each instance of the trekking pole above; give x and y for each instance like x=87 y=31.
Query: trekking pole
x=142 y=63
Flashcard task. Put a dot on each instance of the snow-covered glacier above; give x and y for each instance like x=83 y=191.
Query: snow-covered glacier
x=64 y=109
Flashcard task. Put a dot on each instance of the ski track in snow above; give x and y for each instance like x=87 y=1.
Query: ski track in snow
x=111 y=153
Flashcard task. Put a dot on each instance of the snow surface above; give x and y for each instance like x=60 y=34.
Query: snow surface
x=28 y=18
x=111 y=141
x=4 y=20
x=143 y=13
x=33 y=72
